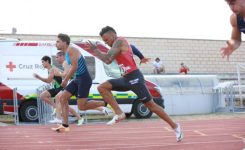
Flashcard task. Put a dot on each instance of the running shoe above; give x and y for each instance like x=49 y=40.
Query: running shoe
x=178 y=133
x=105 y=112
x=55 y=120
x=54 y=112
x=116 y=119
x=80 y=121
x=61 y=129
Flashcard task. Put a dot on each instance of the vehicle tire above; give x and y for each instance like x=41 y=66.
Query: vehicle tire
x=140 y=111
x=29 y=111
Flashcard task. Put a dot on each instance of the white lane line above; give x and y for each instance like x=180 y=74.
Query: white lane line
x=168 y=129
x=130 y=146
x=200 y=133
x=237 y=136
x=94 y=138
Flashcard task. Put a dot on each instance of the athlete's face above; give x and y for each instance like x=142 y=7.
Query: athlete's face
x=60 y=44
x=237 y=6
x=59 y=59
x=108 y=38
x=45 y=63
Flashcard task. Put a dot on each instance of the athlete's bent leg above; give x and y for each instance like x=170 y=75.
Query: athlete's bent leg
x=105 y=91
x=58 y=105
x=74 y=113
x=162 y=114
x=64 y=97
x=155 y=108
x=84 y=104
x=46 y=97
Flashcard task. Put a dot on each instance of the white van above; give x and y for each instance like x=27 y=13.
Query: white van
x=20 y=59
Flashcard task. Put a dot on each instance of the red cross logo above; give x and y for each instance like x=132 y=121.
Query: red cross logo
x=11 y=66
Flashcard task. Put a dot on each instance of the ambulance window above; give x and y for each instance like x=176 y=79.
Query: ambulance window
x=90 y=61
x=112 y=70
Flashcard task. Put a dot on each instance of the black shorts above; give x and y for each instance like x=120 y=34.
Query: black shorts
x=53 y=92
x=133 y=81
x=80 y=86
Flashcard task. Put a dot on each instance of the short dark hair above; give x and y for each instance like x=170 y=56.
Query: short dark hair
x=64 y=38
x=60 y=54
x=46 y=58
x=106 y=29
x=230 y=1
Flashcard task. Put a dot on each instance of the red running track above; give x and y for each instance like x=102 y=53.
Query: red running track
x=154 y=134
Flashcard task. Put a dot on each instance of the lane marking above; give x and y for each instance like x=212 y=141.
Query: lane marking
x=8 y=140
x=128 y=145
x=237 y=136
x=199 y=132
x=168 y=129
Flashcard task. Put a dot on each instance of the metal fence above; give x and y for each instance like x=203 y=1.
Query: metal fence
x=16 y=107
x=225 y=97
x=44 y=109
x=241 y=83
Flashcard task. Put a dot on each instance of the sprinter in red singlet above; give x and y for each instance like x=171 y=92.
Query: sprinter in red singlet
x=132 y=78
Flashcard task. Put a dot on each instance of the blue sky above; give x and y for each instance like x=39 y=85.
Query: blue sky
x=192 y=19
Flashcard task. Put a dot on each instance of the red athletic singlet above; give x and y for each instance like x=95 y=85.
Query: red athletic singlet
x=125 y=60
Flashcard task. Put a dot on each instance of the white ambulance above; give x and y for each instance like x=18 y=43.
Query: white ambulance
x=20 y=59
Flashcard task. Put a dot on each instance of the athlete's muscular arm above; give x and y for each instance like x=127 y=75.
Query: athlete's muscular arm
x=66 y=68
x=46 y=80
x=74 y=55
x=118 y=46
x=235 y=40
x=139 y=54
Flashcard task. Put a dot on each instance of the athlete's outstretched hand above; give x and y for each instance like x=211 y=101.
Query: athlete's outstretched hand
x=35 y=75
x=144 y=60
x=227 y=51
x=92 y=45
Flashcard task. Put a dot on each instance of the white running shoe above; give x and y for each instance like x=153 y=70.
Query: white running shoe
x=80 y=121
x=54 y=112
x=55 y=120
x=116 y=119
x=178 y=133
x=105 y=112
